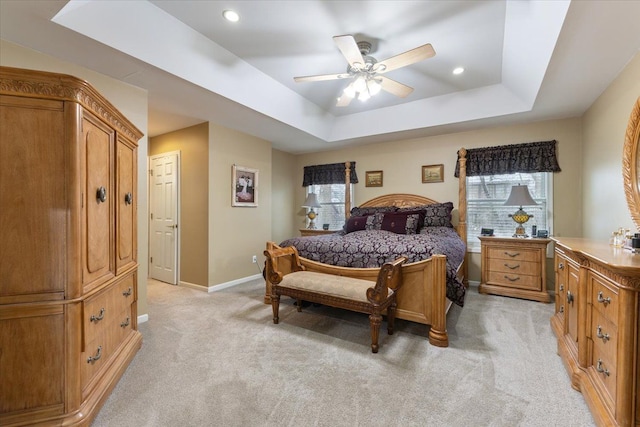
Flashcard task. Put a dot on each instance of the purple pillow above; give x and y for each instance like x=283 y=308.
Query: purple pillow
x=357 y=211
x=356 y=223
x=401 y=223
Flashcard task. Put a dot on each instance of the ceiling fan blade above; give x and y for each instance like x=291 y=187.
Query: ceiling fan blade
x=350 y=50
x=321 y=77
x=394 y=87
x=344 y=100
x=407 y=58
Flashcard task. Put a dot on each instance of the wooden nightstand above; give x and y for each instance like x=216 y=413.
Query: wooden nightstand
x=317 y=232
x=514 y=267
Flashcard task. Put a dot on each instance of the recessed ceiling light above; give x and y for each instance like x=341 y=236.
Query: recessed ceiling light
x=231 y=16
x=458 y=70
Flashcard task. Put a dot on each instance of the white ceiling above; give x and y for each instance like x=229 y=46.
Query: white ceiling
x=524 y=60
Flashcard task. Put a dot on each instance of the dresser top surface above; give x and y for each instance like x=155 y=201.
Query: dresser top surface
x=601 y=252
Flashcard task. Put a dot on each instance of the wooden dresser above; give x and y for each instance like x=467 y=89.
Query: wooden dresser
x=514 y=267
x=315 y=232
x=597 y=323
x=68 y=260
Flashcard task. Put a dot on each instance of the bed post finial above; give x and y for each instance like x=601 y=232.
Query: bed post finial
x=347 y=190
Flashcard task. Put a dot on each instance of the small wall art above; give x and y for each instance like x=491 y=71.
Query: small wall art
x=373 y=179
x=244 y=186
x=432 y=173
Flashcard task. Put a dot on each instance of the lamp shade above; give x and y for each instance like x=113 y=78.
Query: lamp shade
x=520 y=196
x=311 y=201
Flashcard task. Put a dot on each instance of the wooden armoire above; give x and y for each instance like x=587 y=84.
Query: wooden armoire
x=68 y=257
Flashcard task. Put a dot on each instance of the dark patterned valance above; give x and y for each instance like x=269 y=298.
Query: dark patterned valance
x=514 y=158
x=333 y=173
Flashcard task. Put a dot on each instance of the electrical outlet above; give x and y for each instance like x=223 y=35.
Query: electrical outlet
x=255 y=259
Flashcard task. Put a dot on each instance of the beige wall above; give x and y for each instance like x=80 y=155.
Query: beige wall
x=401 y=163
x=131 y=101
x=604 y=125
x=236 y=233
x=193 y=145
x=284 y=187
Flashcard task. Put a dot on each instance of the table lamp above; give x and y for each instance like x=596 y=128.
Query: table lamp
x=520 y=196
x=311 y=202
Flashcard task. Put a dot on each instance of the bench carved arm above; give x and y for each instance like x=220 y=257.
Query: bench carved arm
x=390 y=276
x=274 y=256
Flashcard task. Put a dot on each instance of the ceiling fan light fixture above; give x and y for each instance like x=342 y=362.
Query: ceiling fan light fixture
x=349 y=91
x=458 y=70
x=373 y=87
x=364 y=96
x=360 y=84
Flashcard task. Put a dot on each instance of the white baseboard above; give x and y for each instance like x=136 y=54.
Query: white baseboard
x=143 y=318
x=226 y=285
x=474 y=283
x=192 y=285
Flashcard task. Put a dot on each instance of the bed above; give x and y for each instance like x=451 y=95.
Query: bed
x=435 y=276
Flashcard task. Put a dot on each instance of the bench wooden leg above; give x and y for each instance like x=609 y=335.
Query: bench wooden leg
x=375 y=320
x=299 y=305
x=275 y=305
x=391 y=317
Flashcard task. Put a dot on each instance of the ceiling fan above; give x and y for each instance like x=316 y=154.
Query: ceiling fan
x=366 y=72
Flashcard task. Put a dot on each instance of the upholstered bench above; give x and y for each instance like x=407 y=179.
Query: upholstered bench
x=343 y=292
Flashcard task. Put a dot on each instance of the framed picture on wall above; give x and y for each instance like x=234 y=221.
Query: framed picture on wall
x=244 y=186
x=433 y=173
x=373 y=179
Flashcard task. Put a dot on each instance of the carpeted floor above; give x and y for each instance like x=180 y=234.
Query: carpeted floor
x=218 y=360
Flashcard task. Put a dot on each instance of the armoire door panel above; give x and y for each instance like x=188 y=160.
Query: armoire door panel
x=99 y=200
x=39 y=367
x=33 y=213
x=126 y=205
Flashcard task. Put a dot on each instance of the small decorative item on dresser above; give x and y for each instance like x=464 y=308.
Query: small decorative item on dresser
x=311 y=202
x=520 y=196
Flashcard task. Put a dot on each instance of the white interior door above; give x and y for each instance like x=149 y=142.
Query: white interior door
x=163 y=223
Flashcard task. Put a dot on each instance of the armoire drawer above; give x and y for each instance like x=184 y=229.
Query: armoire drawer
x=102 y=308
x=104 y=345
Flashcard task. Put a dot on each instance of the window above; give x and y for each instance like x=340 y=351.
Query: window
x=485 y=204
x=332 y=198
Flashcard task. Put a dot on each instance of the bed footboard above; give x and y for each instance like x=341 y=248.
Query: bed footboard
x=421 y=299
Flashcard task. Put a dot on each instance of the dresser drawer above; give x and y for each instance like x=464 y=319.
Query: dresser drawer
x=604 y=298
x=514 y=254
x=104 y=345
x=514 y=280
x=102 y=308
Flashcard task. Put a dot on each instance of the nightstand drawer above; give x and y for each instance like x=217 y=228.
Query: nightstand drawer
x=513 y=280
x=514 y=267
x=514 y=254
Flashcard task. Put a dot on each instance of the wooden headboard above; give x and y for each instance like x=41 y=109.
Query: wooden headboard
x=400 y=200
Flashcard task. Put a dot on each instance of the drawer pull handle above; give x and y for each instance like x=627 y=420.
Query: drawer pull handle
x=128 y=198
x=602 y=370
x=99 y=317
x=101 y=195
x=562 y=309
x=125 y=323
x=98 y=355
x=512 y=255
x=570 y=297
x=561 y=288
x=603 y=300
x=512 y=279
x=128 y=292
x=561 y=266
x=599 y=334
x=514 y=267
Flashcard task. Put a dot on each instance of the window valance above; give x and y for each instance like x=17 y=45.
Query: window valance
x=332 y=173
x=514 y=158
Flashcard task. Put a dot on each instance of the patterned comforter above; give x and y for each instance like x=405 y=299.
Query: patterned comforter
x=372 y=248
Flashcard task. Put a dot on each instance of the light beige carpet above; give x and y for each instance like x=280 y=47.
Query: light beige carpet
x=218 y=360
